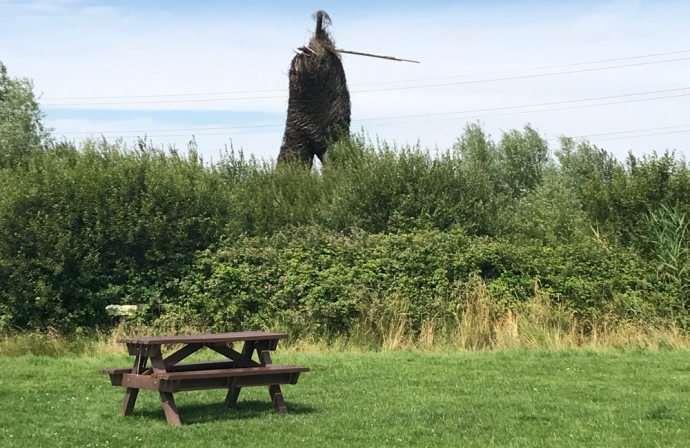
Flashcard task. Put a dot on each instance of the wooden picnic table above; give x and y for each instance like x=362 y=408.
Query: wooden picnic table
x=237 y=370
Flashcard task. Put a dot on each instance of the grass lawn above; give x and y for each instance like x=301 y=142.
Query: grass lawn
x=521 y=398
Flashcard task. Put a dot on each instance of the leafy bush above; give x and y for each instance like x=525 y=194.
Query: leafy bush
x=83 y=229
x=379 y=231
x=21 y=131
x=314 y=281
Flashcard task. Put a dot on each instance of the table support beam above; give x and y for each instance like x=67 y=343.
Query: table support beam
x=277 y=399
x=129 y=401
x=233 y=394
x=170 y=409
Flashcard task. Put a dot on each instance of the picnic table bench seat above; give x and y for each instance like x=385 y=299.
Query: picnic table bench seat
x=178 y=381
x=182 y=367
x=169 y=375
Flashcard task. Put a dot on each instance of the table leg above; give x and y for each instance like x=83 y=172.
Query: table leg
x=277 y=399
x=233 y=394
x=170 y=409
x=132 y=393
x=129 y=401
x=275 y=392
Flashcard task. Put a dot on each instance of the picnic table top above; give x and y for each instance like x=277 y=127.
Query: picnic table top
x=204 y=338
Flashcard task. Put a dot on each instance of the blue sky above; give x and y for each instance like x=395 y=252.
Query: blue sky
x=167 y=63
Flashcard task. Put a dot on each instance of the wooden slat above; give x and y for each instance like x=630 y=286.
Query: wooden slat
x=116 y=371
x=202 y=365
x=148 y=382
x=237 y=372
x=183 y=367
x=204 y=338
x=181 y=354
x=224 y=382
x=239 y=358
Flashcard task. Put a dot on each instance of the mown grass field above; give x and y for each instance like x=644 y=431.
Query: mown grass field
x=402 y=398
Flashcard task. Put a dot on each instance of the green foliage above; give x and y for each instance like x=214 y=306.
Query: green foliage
x=313 y=281
x=21 y=132
x=84 y=229
x=669 y=244
x=380 y=230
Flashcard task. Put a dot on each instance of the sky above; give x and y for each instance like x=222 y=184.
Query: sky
x=614 y=72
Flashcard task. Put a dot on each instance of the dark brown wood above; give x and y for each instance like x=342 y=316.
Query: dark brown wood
x=247 y=353
x=131 y=380
x=219 y=381
x=137 y=349
x=116 y=380
x=181 y=354
x=202 y=365
x=170 y=409
x=277 y=399
x=158 y=364
x=139 y=364
x=228 y=373
x=184 y=385
x=267 y=344
x=240 y=359
x=233 y=393
x=116 y=371
x=183 y=367
x=131 y=393
x=265 y=358
x=169 y=375
x=248 y=349
x=204 y=338
x=129 y=401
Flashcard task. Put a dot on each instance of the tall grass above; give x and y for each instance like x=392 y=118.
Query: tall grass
x=478 y=325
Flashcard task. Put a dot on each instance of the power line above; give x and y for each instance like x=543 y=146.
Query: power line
x=453 y=118
x=540 y=75
x=533 y=111
x=526 y=69
x=541 y=104
x=425 y=115
x=645 y=135
x=628 y=132
x=240 y=92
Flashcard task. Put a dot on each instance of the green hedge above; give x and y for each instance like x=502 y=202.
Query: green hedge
x=104 y=224
x=311 y=280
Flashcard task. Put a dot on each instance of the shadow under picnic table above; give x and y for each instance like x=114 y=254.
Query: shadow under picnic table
x=211 y=412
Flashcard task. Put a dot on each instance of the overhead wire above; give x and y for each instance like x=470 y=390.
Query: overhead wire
x=240 y=92
x=430 y=114
x=539 y=75
x=374 y=119
x=601 y=61
x=477 y=81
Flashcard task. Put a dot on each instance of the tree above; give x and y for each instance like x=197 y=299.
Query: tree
x=22 y=133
